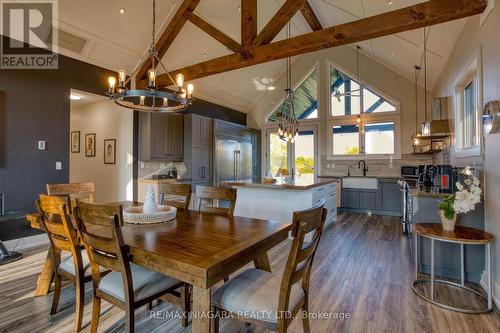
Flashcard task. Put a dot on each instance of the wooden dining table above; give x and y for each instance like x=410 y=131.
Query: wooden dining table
x=196 y=247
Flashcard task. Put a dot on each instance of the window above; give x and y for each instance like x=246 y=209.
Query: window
x=362 y=121
x=305 y=100
x=379 y=138
x=346 y=140
x=277 y=155
x=467 y=114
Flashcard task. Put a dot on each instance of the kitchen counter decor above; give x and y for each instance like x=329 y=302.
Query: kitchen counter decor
x=463 y=201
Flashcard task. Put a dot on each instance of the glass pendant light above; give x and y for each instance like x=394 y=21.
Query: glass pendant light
x=416 y=136
x=426 y=125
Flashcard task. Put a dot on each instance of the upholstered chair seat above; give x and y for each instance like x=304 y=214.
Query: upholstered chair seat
x=68 y=266
x=254 y=294
x=145 y=283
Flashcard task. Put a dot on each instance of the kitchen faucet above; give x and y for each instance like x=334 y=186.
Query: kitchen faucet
x=365 y=169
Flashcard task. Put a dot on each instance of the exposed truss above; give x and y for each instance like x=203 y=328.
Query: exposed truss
x=259 y=48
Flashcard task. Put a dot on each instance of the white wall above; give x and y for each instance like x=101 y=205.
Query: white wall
x=473 y=38
x=113 y=182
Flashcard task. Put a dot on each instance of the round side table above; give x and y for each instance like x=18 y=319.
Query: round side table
x=461 y=235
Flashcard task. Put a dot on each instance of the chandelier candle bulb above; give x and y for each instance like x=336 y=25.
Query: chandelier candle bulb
x=152 y=77
x=122 y=76
x=190 y=89
x=112 y=83
x=183 y=93
x=165 y=102
x=179 y=78
x=141 y=100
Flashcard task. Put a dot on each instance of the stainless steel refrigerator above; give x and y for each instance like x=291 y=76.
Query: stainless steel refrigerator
x=233 y=161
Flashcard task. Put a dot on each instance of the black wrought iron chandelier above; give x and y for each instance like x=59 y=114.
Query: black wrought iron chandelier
x=151 y=99
x=288 y=125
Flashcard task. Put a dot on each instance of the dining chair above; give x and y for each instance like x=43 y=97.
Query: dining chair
x=176 y=195
x=207 y=196
x=73 y=190
x=54 y=212
x=128 y=286
x=273 y=300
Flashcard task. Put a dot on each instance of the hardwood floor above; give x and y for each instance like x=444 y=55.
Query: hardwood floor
x=362 y=268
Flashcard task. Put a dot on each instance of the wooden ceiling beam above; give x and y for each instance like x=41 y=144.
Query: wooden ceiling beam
x=310 y=16
x=170 y=33
x=421 y=15
x=248 y=22
x=278 y=22
x=214 y=32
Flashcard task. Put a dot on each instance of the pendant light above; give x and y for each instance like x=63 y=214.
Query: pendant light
x=416 y=136
x=426 y=125
x=288 y=125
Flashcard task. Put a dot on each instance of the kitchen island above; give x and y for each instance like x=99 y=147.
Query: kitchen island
x=278 y=201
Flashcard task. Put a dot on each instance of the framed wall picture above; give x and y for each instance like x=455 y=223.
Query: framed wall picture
x=75 y=141
x=90 y=145
x=110 y=151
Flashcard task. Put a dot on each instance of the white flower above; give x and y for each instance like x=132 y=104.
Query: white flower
x=475 y=181
x=460 y=187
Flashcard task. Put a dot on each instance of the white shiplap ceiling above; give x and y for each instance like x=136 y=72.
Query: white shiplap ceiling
x=119 y=41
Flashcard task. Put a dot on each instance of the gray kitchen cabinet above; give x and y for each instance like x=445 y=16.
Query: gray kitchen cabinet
x=390 y=197
x=368 y=199
x=161 y=137
x=198 y=144
x=350 y=198
x=386 y=199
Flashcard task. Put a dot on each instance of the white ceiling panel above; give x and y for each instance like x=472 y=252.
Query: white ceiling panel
x=190 y=46
x=353 y=8
x=222 y=14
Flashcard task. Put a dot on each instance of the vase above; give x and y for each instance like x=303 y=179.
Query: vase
x=448 y=224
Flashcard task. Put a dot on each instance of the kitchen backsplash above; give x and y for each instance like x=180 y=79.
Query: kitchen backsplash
x=376 y=167
x=148 y=169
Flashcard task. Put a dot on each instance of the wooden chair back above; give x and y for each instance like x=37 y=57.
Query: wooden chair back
x=300 y=259
x=73 y=190
x=176 y=195
x=56 y=221
x=207 y=196
x=100 y=230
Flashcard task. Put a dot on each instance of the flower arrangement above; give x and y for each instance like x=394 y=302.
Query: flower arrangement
x=465 y=199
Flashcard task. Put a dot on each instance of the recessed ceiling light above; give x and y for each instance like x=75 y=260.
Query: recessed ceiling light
x=74 y=97
x=391 y=54
x=122 y=11
x=390 y=3
x=205 y=55
x=239 y=9
x=271 y=87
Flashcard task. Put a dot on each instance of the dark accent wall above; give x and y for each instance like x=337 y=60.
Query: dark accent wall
x=35 y=105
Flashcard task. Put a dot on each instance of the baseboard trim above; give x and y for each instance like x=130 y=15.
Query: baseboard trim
x=495 y=288
x=26 y=243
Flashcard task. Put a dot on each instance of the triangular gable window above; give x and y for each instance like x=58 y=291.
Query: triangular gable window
x=305 y=101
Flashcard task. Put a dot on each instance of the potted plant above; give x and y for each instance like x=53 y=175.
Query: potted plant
x=463 y=201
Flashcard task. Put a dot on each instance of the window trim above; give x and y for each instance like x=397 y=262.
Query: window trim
x=391 y=116
x=471 y=73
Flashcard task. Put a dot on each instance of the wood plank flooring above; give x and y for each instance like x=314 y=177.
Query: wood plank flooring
x=362 y=268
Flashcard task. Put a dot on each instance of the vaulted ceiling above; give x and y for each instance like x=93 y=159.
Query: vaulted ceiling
x=95 y=31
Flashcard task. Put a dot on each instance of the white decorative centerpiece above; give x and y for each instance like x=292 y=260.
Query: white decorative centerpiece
x=463 y=201
x=150 y=212
x=150 y=205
